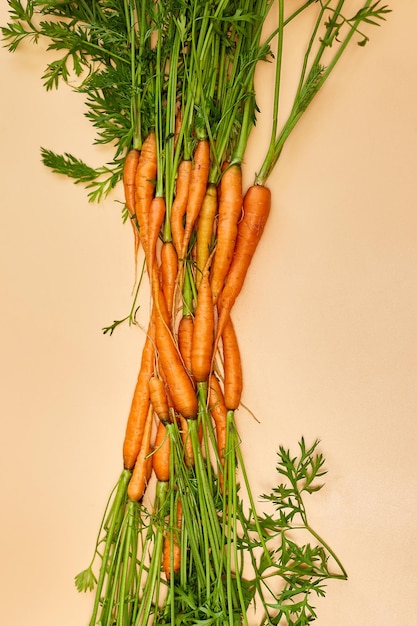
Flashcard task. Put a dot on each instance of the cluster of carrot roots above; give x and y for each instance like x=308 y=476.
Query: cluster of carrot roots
x=181 y=427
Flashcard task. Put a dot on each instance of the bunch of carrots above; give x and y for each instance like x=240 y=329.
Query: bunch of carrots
x=172 y=86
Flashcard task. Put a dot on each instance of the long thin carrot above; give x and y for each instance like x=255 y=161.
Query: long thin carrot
x=203 y=335
x=256 y=208
x=185 y=340
x=177 y=378
x=139 y=478
x=233 y=379
x=169 y=272
x=198 y=185
x=145 y=186
x=179 y=204
x=230 y=211
x=140 y=401
x=160 y=456
x=205 y=230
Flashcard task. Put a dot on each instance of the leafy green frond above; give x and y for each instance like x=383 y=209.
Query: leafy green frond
x=69 y=165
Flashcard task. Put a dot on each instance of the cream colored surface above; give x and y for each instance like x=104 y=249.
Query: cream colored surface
x=327 y=322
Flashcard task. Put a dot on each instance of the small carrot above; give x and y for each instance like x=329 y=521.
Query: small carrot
x=203 y=335
x=171 y=560
x=256 y=207
x=179 y=383
x=159 y=399
x=169 y=272
x=161 y=453
x=179 y=204
x=198 y=184
x=140 y=401
x=233 y=382
x=185 y=339
x=145 y=186
x=155 y=221
x=219 y=414
x=205 y=230
x=139 y=479
x=230 y=210
x=186 y=440
x=129 y=174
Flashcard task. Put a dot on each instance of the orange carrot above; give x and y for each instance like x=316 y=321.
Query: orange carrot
x=197 y=190
x=205 y=230
x=140 y=401
x=203 y=335
x=145 y=186
x=230 y=210
x=233 y=382
x=160 y=456
x=159 y=399
x=155 y=220
x=172 y=562
x=129 y=174
x=179 y=204
x=169 y=271
x=185 y=340
x=219 y=414
x=256 y=207
x=178 y=381
x=139 y=478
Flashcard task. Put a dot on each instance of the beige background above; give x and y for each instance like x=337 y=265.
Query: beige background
x=328 y=325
